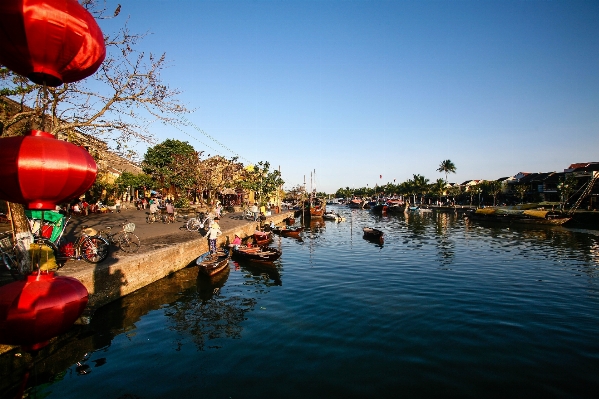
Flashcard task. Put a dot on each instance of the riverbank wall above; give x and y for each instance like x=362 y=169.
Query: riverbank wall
x=109 y=281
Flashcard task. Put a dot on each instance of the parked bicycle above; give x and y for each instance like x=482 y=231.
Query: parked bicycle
x=202 y=221
x=167 y=217
x=124 y=238
x=152 y=217
x=248 y=214
x=88 y=247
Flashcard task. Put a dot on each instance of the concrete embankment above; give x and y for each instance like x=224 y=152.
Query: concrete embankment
x=158 y=257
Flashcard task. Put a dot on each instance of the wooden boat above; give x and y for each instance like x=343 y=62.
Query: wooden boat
x=256 y=254
x=373 y=234
x=379 y=208
x=288 y=232
x=314 y=207
x=210 y=264
x=355 y=203
x=262 y=237
x=515 y=216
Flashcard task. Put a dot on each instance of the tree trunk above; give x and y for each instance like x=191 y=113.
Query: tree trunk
x=22 y=235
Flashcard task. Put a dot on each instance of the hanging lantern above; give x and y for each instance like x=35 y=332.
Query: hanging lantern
x=50 y=41
x=40 y=171
x=39 y=308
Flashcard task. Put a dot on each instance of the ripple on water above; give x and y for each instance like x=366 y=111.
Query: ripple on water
x=441 y=306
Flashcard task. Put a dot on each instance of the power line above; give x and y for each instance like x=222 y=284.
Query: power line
x=187 y=122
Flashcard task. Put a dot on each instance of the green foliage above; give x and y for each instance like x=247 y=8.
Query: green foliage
x=493 y=188
x=438 y=188
x=262 y=181
x=181 y=202
x=172 y=163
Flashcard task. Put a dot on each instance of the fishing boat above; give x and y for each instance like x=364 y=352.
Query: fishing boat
x=373 y=234
x=517 y=216
x=210 y=264
x=355 y=203
x=287 y=232
x=314 y=207
x=256 y=254
x=262 y=237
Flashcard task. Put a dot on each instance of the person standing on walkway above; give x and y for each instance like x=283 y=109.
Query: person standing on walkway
x=213 y=234
x=254 y=210
x=170 y=211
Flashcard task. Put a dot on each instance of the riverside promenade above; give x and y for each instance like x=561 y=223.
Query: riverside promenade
x=165 y=249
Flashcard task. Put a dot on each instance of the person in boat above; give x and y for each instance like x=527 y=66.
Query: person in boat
x=236 y=242
x=272 y=225
x=213 y=234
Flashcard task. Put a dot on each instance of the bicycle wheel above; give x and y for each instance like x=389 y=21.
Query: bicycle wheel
x=10 y=262
x=129 y=242
x=193 y=224
x=94 y=249
x=150 y=218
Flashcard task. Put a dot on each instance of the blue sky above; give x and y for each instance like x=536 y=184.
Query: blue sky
x=358 y=89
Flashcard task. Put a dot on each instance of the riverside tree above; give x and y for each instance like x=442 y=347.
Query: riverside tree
x=217 y=173
x=262 y=181
x=117 y=104
x=173 y=164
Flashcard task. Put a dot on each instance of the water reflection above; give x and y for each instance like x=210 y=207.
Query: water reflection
x=260 y=274
x=208 y=286
x=490 y=309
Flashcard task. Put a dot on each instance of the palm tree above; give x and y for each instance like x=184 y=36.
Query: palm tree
x=420 y=185
x=448 y=167
x=438 y=188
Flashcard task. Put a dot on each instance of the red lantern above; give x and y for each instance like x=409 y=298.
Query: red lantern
x=39 y=308
x=40 y=171
x=50 y=41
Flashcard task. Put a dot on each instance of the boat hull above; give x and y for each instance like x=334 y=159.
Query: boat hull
x=209 y=265
x=257 y=254
x=371 y=234
x=294 y=233
x=506 y=219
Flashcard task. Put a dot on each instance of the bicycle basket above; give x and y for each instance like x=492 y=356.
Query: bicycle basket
x=129 y=227
x=89 y=231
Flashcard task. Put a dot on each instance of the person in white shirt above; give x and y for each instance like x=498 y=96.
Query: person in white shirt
x=213 y=234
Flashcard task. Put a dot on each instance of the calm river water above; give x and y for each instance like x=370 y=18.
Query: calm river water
x=445 y=308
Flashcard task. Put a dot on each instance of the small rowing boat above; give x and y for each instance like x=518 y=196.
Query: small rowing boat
x=372 y=234
x=210 y=264
x=256 y=254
